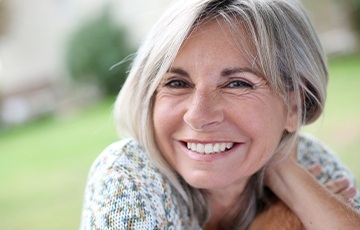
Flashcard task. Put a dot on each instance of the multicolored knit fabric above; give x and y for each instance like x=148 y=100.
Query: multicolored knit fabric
x=125 y=191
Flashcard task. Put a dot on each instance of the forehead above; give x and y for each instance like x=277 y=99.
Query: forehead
x=231 y=32
x=226 y=34
x=217 y=40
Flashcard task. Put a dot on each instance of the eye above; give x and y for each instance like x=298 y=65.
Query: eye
x=240 y=84
x=177 y=84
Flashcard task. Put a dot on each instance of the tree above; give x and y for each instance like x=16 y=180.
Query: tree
x=353 y=9
x=94 y=49
x=356 y=15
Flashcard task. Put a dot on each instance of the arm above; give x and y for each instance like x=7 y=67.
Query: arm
x=277 y=217
x=316 y=207
x=280 y=217
x=328 y=168
x=343 y=187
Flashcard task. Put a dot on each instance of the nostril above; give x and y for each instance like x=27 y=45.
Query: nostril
x=199 y=119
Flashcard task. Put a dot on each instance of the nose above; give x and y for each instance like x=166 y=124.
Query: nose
x=204 y=111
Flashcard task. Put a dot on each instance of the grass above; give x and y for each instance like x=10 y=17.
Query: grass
x=43 y=165
x=43 y=168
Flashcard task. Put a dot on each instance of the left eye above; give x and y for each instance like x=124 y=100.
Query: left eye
x=240 y=84
x=177 y=84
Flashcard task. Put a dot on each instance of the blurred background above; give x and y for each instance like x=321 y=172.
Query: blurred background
x=59 y=77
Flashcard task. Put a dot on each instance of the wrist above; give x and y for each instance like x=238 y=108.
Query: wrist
x=285 y=180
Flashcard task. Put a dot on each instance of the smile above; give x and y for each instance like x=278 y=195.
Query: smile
x=209 y=148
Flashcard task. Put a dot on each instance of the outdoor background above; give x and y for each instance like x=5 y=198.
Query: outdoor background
x=58 y=83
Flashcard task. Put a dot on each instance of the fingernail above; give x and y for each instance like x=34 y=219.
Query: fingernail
x=352 y=191
x=344 y=181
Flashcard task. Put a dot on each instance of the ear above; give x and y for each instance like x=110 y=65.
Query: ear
x=292 y=120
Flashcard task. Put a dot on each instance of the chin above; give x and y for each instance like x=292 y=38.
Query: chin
x=200 y=181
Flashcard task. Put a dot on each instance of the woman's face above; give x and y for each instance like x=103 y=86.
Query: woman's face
x=216 y=121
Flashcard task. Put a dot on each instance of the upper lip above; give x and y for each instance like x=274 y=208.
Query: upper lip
x=207 y=141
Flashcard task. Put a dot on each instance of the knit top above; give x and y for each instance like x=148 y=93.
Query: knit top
x=125 y=191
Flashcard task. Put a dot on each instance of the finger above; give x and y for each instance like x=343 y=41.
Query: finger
x=338 y=185
x=315 y=169
x=347 y=194
x=351 y=202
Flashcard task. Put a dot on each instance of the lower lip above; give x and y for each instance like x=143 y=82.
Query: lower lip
x=208 y=157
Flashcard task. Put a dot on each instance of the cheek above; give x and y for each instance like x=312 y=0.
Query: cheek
x=261 y=117
x=165 y=120
x=166 y=123
x=273 y=115
x=274 y=123
x=160 y=127
x=264 y=122
x=160 y=121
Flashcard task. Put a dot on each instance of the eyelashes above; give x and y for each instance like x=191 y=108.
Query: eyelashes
x=232 y=84
x=177 y=84
x=240 y=84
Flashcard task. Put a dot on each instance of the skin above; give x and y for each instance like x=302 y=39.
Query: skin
x=299 y=190
x=211 y=95
x=280 y=217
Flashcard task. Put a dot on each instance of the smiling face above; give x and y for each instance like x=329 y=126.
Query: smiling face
x=216 y=120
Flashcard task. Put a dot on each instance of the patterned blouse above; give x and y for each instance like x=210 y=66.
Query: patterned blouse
x=125 y=191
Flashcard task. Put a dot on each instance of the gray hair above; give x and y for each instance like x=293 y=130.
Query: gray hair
x=282 y=45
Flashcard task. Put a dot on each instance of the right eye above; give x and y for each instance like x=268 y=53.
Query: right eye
x=177 y=84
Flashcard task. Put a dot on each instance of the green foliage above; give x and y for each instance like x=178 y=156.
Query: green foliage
x=357 y=15
x=94 y=49
x=353 y=9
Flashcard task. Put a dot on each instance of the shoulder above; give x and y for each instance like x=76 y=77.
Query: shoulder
x=312 y=151
x=124 y=156
x=125 y=190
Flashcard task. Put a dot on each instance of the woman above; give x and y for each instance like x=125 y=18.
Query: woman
x=213 y=105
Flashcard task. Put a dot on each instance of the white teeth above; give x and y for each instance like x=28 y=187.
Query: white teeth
x=209 y=148
x=216 y=148
x=193 y=146
x=200 y=148
x=222 y=147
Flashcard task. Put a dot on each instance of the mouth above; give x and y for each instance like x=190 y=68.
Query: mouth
x=209 y=148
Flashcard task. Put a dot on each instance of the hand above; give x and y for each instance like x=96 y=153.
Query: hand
x=342 y=187
x=279 y=217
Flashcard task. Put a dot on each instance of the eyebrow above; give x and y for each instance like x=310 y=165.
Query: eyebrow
x=230 y=71
x=178 y=71
x=224 y=73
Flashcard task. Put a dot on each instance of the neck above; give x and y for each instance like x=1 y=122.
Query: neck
x=219 y=211
x=221 y=203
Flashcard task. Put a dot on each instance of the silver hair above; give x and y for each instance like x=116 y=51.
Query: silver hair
x=281 y=43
